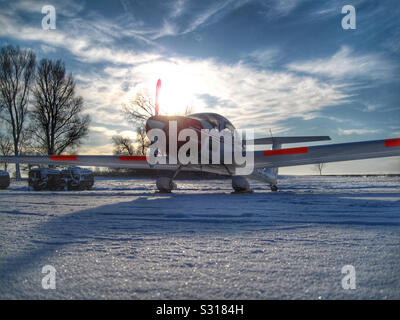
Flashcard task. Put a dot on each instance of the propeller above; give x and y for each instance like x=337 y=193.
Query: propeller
x=157 y=93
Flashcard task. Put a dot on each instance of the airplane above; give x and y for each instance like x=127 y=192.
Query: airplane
x=266 y=162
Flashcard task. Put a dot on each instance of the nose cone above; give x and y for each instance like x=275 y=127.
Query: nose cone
x=155 y=124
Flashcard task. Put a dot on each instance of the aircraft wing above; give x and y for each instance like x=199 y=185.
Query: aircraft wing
x=326 y=153
x=133 y=162
x=262 y=159
x=136 y=162
x=282 y=140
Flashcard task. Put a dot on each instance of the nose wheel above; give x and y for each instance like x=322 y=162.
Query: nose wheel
x=274 y=188
x=240 y=185
x=165 y=185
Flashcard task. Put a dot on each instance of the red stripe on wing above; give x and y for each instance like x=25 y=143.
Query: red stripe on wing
x=278 y=152
x=63 y=158
x=132 y=158
x=392 y=143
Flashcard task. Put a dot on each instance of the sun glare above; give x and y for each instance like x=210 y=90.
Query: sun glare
x=177 y=88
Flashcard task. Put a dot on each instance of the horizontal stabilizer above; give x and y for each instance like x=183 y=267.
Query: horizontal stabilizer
x=281 y=140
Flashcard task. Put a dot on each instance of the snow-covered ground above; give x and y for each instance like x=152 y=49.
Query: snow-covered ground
x=123 y=241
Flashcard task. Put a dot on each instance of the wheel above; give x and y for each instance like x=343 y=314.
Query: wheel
x=37 y=187
x=274 y=188
x=165 y=185
x=240 y=184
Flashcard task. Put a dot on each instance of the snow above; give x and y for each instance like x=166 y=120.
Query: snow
x=123 y=241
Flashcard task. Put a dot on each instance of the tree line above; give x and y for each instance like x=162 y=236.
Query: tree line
x=40 y=111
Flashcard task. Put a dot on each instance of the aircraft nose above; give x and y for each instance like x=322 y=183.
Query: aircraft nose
x=155 y=124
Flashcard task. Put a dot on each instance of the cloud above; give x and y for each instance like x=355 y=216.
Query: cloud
x=264 y=57
x=273 y=9
x=168 y=29
x=370 y=107
x=204 y=14
x=180 y=17
x=177 y=8
x=97 y=43
x=346 y=64
x=357 y=131
x=216 y=10
x=284 y=7
x=248 y=96
x=65 y=8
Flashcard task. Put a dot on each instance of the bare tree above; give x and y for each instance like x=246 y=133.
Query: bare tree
x=57 y=112
x=142 y=141
x=17 y=69
x=6 y=147
x=123 y=145
x=188 y=109
x=319 y=167
x=140 y=109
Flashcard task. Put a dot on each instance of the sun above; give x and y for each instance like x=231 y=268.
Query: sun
x=175 y=96
x=177 y=88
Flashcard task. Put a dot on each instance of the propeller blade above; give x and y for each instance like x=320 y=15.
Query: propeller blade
x=157 y=93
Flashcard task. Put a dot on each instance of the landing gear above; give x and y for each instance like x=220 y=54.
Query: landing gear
x=274 y=188
x=240 y=185
x=165 y=185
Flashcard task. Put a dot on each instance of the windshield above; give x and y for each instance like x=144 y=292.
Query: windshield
x=215 y=120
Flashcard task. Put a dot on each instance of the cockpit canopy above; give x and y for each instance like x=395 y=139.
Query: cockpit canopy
x=213 y=121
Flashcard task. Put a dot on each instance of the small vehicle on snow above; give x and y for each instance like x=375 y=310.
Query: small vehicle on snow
x=4 y=179
x=73 y=178
x=76 y=178
x=45 y=179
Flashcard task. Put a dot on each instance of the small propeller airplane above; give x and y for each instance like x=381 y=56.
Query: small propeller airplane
x=266 y=162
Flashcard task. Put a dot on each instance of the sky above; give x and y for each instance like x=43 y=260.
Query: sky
x=286 y=67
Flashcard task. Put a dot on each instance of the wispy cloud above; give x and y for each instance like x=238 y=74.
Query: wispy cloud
x=264 y=57
x=347 y=64
x=96 y=43
x=357 y=131
x=182 y=16
x=177 y=8
x=64 y=8
x=213 y=12
x=274 y=9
